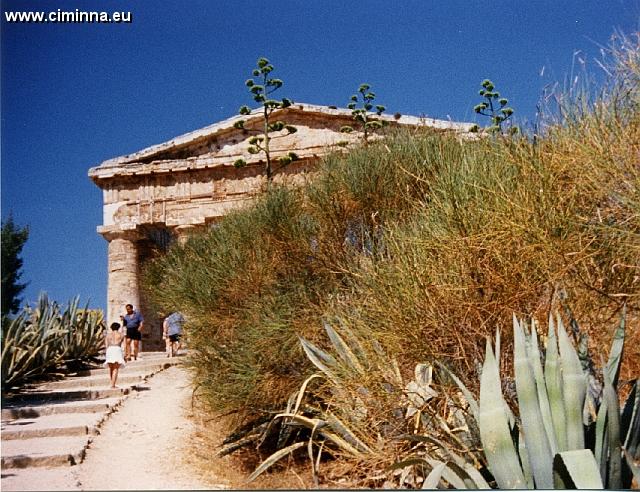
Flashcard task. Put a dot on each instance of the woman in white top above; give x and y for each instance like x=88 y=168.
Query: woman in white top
x=114 y=357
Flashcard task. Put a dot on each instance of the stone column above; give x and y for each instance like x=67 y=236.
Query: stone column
x=182 y=232
x=123 y=282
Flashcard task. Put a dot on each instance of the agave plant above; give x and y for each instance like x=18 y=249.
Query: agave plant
x=322 y=428
x=545 y=446
x=28 y=347
x=41 y=338
x=84 y=335
x=339 y=420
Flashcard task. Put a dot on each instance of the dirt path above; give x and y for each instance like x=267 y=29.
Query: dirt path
x=146 y=445
x=149 y=443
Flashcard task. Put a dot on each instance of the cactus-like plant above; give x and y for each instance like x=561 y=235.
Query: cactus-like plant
x=261 y=86
x=84 y=335
x=42 y=338
x=548 y=450
x=545 y=446
x=345 y=425
x=363 y=115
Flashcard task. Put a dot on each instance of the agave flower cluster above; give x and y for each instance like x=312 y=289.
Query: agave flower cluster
x=261 y=86
x=361 y=115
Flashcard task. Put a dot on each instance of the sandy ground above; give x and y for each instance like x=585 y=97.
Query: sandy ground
x=149 y=443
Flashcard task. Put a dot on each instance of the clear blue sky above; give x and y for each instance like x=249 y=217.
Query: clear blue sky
x=74 y=95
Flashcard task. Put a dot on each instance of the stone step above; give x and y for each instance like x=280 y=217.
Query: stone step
x=98 y=380
x=51 y=424
x=33 y=411
x=80 y=393
x=96 y=387
x=43 y=451
x=138 y=365
x=56 y=425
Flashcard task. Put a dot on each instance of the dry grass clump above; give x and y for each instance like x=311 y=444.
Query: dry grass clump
x=421 y=245
x=494 y=227
x=502 y=230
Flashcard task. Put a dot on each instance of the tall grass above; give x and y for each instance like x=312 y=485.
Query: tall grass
x=424 y=242
x=247 y=287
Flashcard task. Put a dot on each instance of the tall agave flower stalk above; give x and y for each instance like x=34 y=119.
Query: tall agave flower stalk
x=545 y=447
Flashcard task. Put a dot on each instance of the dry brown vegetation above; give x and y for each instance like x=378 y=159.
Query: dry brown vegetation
x=424 y=244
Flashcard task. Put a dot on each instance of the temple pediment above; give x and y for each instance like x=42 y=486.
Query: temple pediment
x=221 y=144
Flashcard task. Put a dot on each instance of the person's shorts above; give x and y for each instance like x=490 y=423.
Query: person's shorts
x=174 y=338
x=134 y=334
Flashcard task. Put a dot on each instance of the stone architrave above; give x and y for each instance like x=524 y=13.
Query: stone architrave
x=166 y=191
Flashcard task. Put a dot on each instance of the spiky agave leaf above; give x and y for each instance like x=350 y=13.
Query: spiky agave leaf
x=440 y=470
x=617 y=349
x=343 y=350
x=300 y=393
x=574 y=386
x=524 y=461
x=553 y=379
x=451 y=476
x=318 y=357
x=273 y=459
x=576 y=469
x=541 y=386
x=494 y=427
x=432 y=480
x=349 y=436
x=612 y=452
x=610 y=373
x=537 y=443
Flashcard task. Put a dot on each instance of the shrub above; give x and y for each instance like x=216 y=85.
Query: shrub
x=423 y=242
x=247 y=288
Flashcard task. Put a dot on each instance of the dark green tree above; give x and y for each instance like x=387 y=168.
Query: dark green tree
x=261 y=86
x=13 y=239
x=362 y=115
x=493 y=106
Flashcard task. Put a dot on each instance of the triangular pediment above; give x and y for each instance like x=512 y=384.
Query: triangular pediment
x=222 y=143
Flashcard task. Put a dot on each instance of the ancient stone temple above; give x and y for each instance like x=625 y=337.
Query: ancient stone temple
x=164 y=192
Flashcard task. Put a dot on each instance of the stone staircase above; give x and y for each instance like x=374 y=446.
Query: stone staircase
x=52 y=424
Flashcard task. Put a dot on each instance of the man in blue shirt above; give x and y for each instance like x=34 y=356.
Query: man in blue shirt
x=172 y=331
x=133 y=323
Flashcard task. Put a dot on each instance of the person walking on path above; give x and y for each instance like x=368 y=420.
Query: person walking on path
x=134 y=323
x=113 y=357
x=172 y=332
